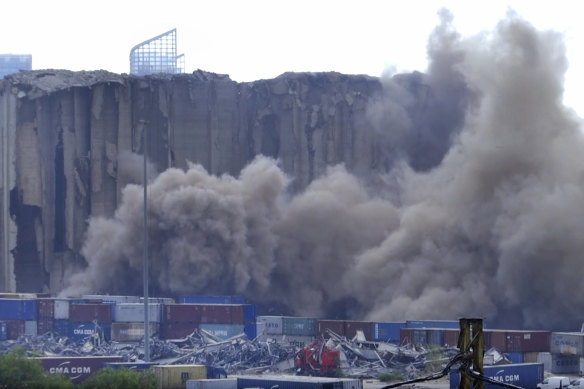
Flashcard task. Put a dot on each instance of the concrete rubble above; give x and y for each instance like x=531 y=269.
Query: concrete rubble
x=238 y=355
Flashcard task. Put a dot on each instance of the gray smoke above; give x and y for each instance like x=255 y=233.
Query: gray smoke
x=483 y=218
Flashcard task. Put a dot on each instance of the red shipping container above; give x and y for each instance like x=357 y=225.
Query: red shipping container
x=351 y=328
x=177 y=330
x=336 y=326
x=46 y=308
x=87 y=313
x=181 y=313
x=44 y=325
x=496 y=339
x=237 y=314
x=451 y=337
x=14 y=329
x=528 y=341
x=215 y=314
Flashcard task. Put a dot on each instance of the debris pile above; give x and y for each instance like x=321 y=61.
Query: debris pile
x=238 y=355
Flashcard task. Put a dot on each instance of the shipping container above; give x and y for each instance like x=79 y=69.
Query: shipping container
x=61 y=327
x=527 y=341
x=336 y=326
x=158 y=300
x=134 y=312
x=226 y=383
x=211 y=300
x=546 y=359
x=386 y=331
x=15 y=329
x=417 y=336
x=45 y=325
x=565 y=364
x=302 y=326
x=130 y=365
x=46 y=308
x=30 y=328
x=452 y=324
x=495 y=339
x=78 y=369
x=435 y=337
x=177 y=313
x=82 y=330
x=217 y=314
x=176 y=376
x=177 y=330
x=61 y=309
x=250 y=331
x=297 y=382
x=18 y=309
x=526 y=375
x=223 y=331
x=514 y=357
x=132 y=332
x=567 y=343
x=25 y=296
x=530 y=357
x=249 y=313
x=269 y=325
x=102 y=313
x=236 y=315
x=111 y=299
x=451 y=338
x=3 y=330
x=351 y=327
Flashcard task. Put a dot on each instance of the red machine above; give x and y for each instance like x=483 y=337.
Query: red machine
x=318 y=360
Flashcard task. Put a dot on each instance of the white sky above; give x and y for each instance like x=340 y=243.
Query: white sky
x=255 y=39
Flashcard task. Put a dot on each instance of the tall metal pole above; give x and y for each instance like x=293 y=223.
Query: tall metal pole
x=145 y=259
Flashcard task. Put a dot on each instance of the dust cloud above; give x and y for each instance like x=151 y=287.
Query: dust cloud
x=482 y=218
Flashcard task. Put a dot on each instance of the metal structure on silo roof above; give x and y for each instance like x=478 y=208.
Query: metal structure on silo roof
x=156 y=55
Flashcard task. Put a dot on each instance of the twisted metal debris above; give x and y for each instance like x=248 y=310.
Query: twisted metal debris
x=238 y=355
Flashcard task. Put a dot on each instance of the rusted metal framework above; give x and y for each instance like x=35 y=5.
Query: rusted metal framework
x=156 y=55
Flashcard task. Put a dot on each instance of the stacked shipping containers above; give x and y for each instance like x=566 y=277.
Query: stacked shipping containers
x=566 y=353
x=20 y=316
x=128 y=321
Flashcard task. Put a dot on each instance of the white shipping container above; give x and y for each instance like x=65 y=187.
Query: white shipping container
x=546 y=359
x=224 y=383
x=112 y=299
x=134 y=313
x=62 y=309
x=30 y=328
x=269 y=325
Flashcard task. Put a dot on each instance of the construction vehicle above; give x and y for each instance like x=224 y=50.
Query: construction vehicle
x=317 y=359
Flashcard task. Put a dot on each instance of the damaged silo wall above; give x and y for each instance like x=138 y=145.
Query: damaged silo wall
x=63 y=133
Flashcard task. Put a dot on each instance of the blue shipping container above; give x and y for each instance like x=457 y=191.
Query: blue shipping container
x=515 y=357
x=61 y=327
x=18 y=309
x=222 y=331
x=525 y=375
x=433 y=324
x=3 y=330
x=79 y=331
x=250 y=330
x=210 y=300
x=249 y=313
x=386 y=332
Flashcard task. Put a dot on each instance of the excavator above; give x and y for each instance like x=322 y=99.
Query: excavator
x=317 y=359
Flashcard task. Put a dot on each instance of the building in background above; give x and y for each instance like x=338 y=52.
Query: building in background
x=13 y=63
x=156 y=55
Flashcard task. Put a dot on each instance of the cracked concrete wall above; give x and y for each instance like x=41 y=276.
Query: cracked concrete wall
x=65 y=131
